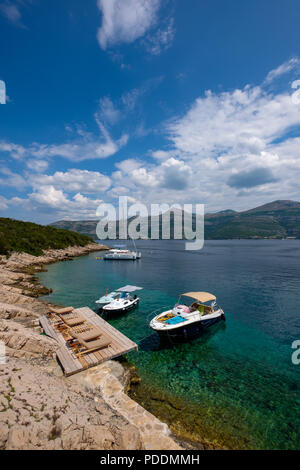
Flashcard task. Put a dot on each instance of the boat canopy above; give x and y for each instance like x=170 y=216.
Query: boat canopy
x=201 y=296
x=129 y=289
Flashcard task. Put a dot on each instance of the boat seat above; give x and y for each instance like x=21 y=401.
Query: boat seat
x=203 y=309
x=73 y=319
x=84 y=328
x=166 y=317
x=99 y=343
x=61 y=311
x=88 y=335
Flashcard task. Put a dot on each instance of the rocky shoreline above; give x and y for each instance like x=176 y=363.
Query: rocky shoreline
x=39 y=407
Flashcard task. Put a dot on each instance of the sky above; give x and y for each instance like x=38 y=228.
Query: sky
x=161 y=101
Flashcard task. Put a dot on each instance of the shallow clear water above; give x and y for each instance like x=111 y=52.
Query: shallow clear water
x=235 y=385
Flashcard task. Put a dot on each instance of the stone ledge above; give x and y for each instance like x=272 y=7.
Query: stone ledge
x=155 y=435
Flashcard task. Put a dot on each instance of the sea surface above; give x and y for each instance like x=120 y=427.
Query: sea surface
x=234 y=386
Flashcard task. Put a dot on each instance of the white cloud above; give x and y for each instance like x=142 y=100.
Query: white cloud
x=55 y=201
x=226 y=146
x=143 y=177
x=73 y=181
x=108 y=112
x=176 y=174
x=11 y=11
x=284 y=68
x=242 y=120
x=235 y=149
x=49 y=204
x=9 y=178
x=161 y=155
x=3 y=203
x=16 y=151
x=50 y=197
x=124 y=21
x=37 y=165
x=127 y=166
x=171 y=174
x=85 y=147
x=161 y=40
x=129 y=99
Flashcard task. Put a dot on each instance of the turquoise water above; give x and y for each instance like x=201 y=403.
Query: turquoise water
x=235 y=385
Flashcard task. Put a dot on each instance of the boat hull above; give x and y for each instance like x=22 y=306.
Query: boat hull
x=122 y=256
x=121 y=310
x=191 y=330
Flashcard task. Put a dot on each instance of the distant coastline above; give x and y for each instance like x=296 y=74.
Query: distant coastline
x=276 y=220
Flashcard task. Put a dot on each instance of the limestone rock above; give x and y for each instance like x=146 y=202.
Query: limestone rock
x=25 y=342
x=39 y=411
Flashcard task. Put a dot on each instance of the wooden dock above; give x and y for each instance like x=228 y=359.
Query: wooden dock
x=72 y=363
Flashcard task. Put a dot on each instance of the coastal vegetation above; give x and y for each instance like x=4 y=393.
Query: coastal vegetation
x=32 y=238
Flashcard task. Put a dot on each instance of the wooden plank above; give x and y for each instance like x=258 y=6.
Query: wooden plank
x=72 y=363
x=97 y=320
x=116 y=336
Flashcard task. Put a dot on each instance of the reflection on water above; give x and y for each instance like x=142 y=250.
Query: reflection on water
x=234 y=385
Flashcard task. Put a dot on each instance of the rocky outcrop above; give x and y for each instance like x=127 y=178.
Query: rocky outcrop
x=107 y=379
x=19 y=288
x=41 y=411
x=10 y=312
x=17 y=261
x=25 y=342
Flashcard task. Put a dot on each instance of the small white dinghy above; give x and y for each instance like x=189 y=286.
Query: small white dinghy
x=188 y=321
x=107 y=298
x=124 y=302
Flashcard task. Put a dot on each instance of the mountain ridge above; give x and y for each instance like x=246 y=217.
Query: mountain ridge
x=277 y=219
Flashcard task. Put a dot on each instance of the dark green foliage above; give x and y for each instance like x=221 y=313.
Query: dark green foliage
x=33 y=239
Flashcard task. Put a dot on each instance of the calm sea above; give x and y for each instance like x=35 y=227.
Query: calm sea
x=236 y=384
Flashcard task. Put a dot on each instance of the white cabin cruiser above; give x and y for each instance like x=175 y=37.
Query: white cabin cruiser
x=117 y=254
x=124 y=302
x=187 y=321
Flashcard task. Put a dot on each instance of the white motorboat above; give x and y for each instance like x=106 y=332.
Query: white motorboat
x=124 y=302
x=187 y=321
x=117 y=254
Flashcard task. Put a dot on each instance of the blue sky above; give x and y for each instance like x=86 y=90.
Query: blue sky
x=162 y=101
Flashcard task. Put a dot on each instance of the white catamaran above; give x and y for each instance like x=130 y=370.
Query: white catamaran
x=117 y=254
x=187 y=321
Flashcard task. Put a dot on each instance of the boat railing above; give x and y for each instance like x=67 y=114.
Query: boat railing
x=159 y=310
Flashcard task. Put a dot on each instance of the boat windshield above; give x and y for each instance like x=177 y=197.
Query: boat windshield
x=204 y=308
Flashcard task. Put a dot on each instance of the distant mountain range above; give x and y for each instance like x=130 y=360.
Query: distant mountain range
x=278 y=219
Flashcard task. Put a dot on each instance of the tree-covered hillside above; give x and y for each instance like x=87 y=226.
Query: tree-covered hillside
x=33 y=239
